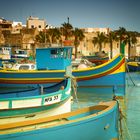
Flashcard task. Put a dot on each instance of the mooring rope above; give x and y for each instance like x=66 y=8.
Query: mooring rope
x=74 y=86
x=128 y=132
x=130 y=75
x=120 y=128
x=122 y=117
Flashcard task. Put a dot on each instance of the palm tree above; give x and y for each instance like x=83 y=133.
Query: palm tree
x=78 y=36
x=130 y=40
x=49 y=35
x=111 y=37
x=121 y=35
x=53 y=35
x=66 y=30
x=40 y=38
x=100 y=39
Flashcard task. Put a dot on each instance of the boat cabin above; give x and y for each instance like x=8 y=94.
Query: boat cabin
x=53 y=58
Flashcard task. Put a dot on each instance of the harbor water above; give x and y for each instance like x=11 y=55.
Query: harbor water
x=130 y=105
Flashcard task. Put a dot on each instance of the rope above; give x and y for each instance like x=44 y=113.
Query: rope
x=130 y=75
x=73 y=82
x=74 y=86
x=130 y=137
x=122 y=117
x=119 y=119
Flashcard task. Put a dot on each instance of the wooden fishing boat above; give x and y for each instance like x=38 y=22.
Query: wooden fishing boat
x=133 y=64
x=51 y=63
x=99 y=122
x=96 y=59
x=52 y=100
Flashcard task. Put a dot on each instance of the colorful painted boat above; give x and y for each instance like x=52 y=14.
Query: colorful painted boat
x=133 y=66
x=98 y=122
x=51 y=70
x=96 y=59
x=52 y=100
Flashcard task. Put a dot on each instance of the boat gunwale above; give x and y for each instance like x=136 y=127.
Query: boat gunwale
x=67 y=87
x=34 y=107
x=59 y=71
x=62 y=92
x=79 y=78
x=105 y=108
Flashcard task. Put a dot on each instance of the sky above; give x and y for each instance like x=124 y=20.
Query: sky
x=81 y=13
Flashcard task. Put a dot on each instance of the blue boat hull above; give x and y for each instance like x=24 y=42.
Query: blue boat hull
x=27 y=102
x=133 y=68
x=110 y=84
x=110 y=74
x=100 y=127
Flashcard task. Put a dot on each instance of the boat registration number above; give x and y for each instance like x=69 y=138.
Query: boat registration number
x=52 y=99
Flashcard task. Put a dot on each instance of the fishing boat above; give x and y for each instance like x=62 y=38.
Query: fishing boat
x=51 y=100
x=134 y=64
x=50 y=67
x=98 y=60
x=99 y=122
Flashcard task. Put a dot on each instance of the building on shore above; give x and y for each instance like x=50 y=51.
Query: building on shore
x=87 y=47
x=35 y=22
x=96 y=30
x=16 y=27
x=5 y=24
x=23 y=37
